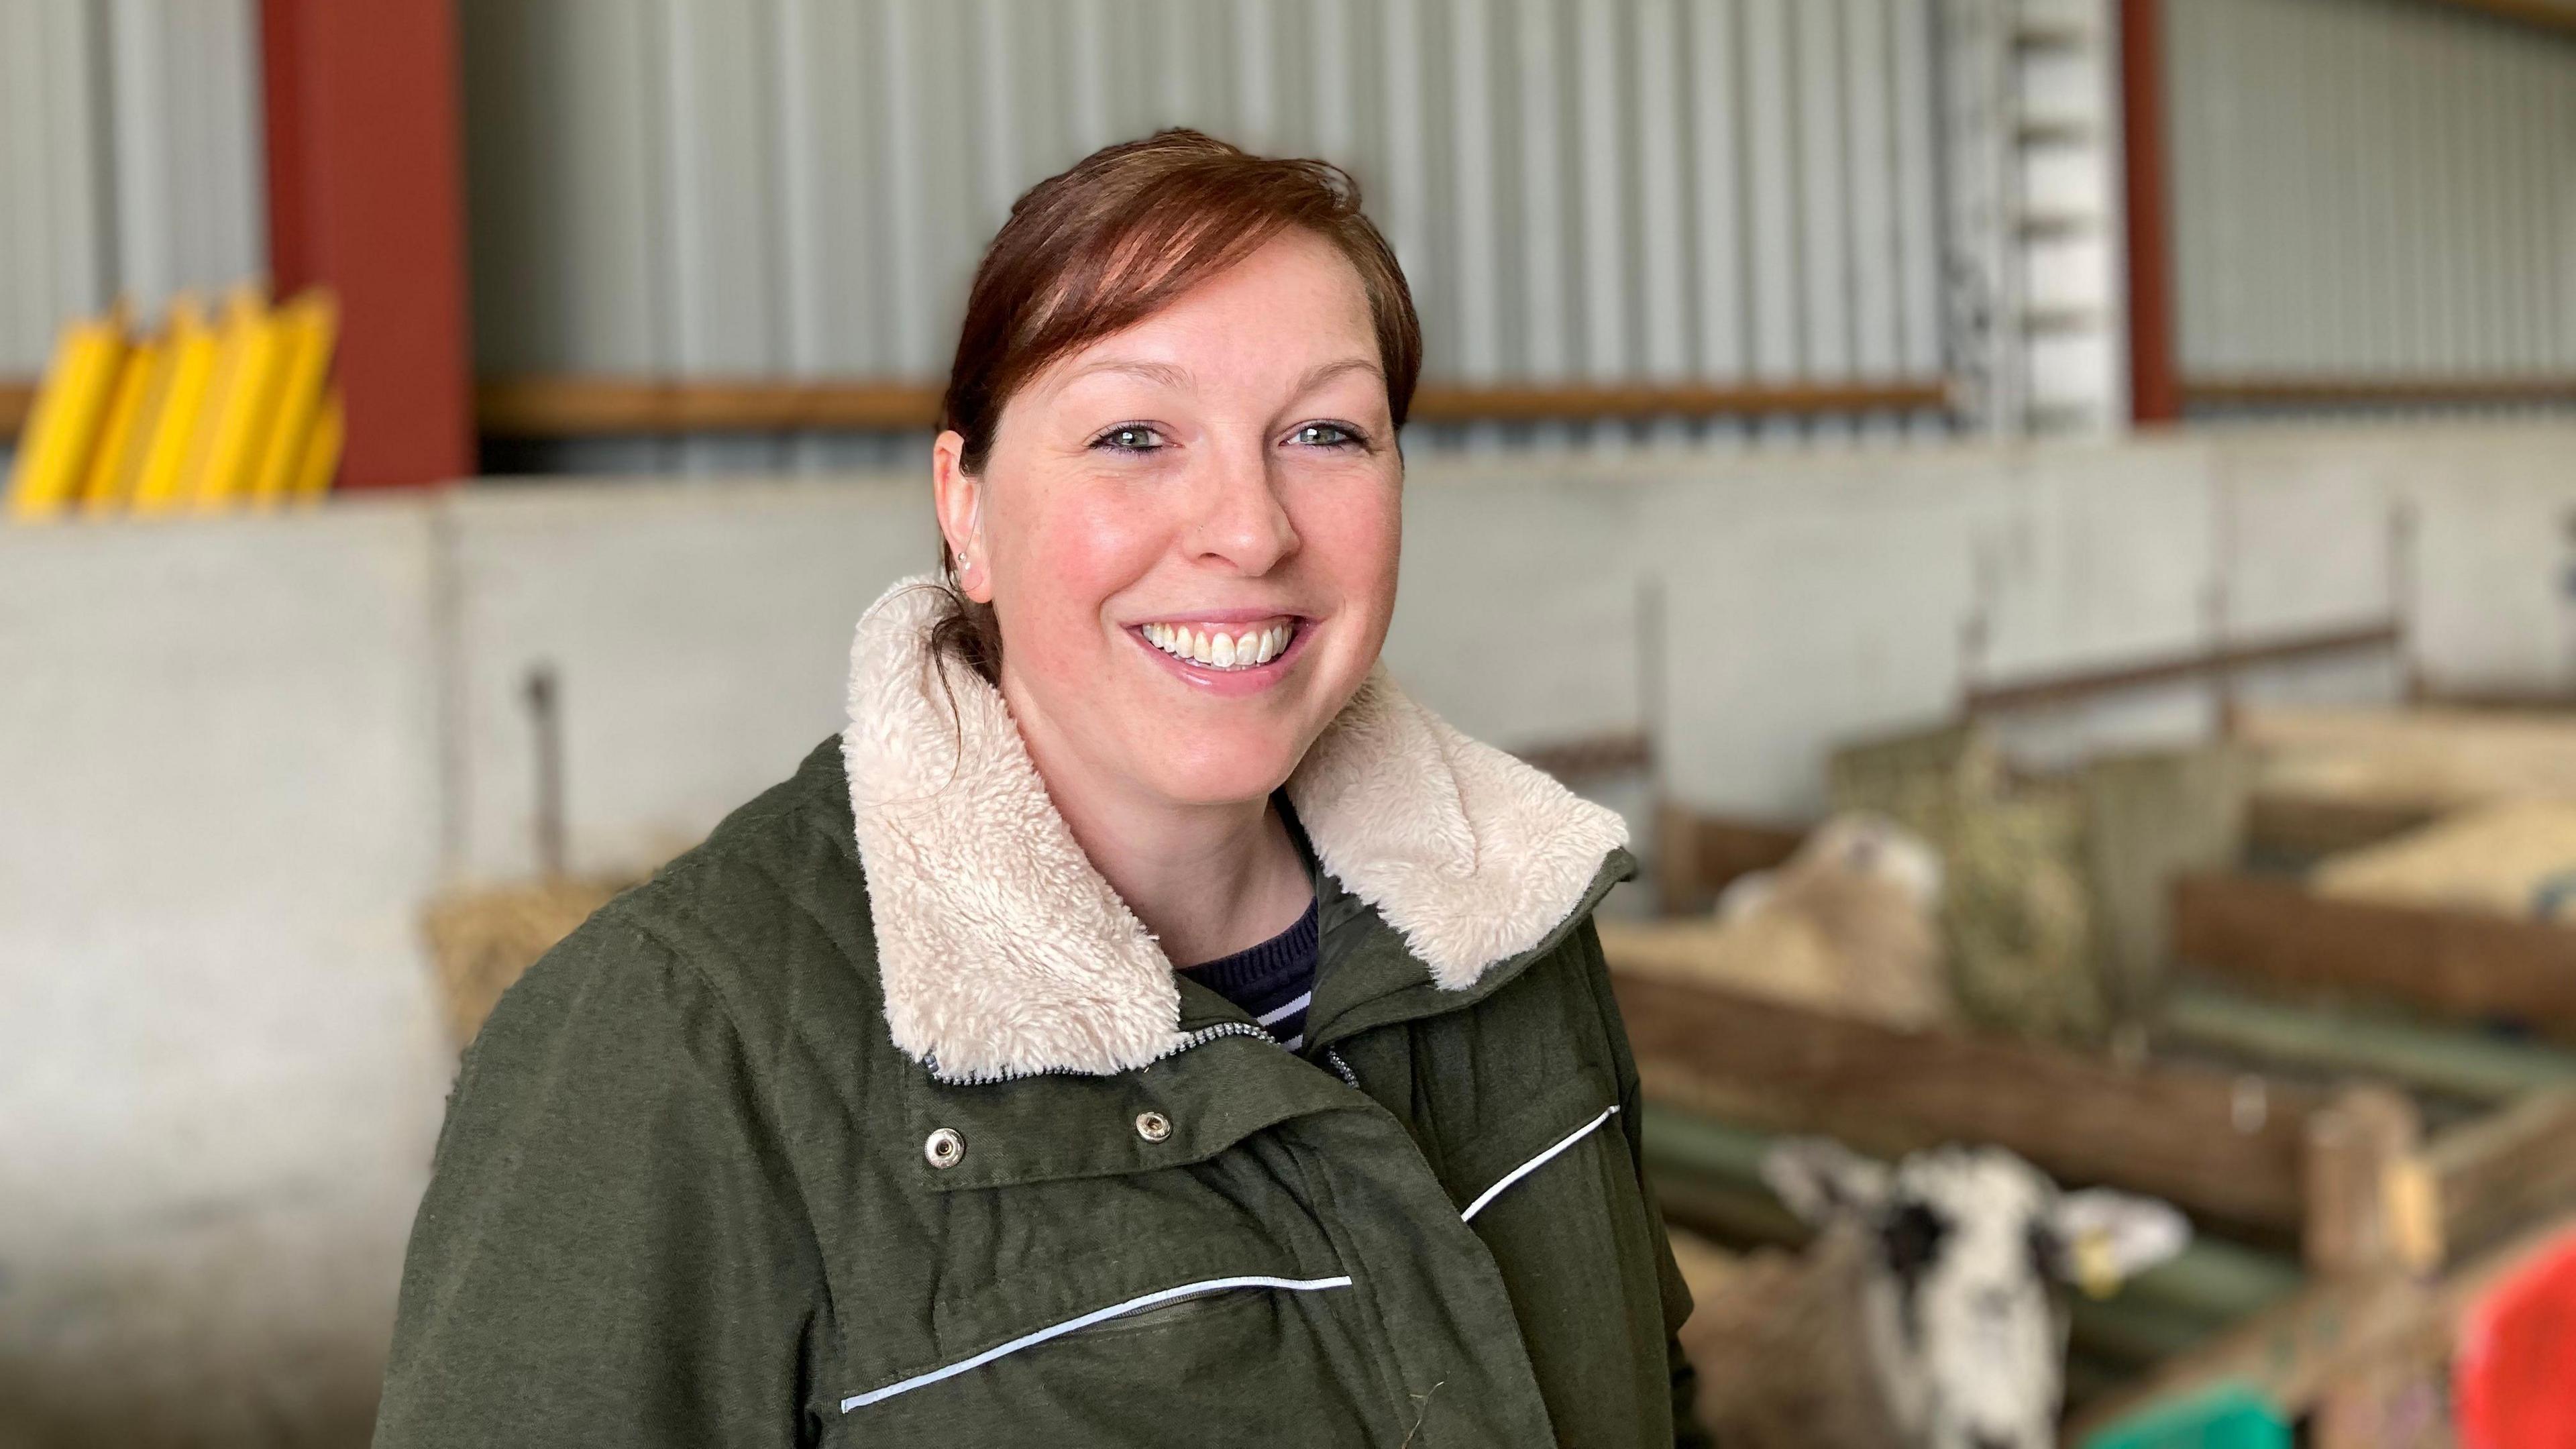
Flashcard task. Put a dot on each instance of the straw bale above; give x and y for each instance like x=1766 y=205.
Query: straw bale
x=2017 y=913
x=2423 y=759
x=2512 y=859
x=482 y=939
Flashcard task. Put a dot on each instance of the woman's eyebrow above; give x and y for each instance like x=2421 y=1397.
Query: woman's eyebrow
x=1323 y=373
x=1157 y=372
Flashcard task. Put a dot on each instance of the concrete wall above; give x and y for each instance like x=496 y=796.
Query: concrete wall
x=238 y=754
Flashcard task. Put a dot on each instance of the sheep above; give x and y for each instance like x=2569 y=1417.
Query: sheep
x=1847 y=925
x=1925 y=1315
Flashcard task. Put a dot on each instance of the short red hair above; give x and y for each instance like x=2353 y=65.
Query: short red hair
x=1098 y=248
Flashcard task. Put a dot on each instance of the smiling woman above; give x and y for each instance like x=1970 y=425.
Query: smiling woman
x=1143 y=1024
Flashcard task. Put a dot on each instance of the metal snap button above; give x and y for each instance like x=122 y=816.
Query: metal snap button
x=1153 y=1126
x=944 y=1148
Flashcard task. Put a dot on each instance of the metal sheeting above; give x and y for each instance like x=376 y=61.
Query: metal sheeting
x=2371 y=189
x=129 y=159
x=1709 y=190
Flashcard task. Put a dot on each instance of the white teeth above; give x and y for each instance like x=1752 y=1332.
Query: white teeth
x=1220 y=650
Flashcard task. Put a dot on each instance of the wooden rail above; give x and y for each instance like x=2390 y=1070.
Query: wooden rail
x=1696 y=855
x=1443 y=403
x=578 y=407
x=2182 y=1132
x=2461 y=964
x=2086 y=684
x=17 y=400
x=589 y=407
x=2335 y=1332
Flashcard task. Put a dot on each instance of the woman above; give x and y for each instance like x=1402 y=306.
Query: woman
x=884 y=1117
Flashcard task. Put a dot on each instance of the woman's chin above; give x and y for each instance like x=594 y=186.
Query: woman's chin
x=1223 y=776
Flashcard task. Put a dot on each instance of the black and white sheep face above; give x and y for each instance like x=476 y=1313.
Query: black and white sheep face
x=1959 y=1300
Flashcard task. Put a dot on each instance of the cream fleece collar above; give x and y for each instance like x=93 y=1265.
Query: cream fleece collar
x=1005 y=953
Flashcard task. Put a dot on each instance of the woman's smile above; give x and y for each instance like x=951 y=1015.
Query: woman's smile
x=1233 y=651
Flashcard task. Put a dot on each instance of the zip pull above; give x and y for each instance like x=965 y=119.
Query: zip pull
x=1341 y=1069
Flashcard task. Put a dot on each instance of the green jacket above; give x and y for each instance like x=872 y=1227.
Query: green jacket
x=780 y=1150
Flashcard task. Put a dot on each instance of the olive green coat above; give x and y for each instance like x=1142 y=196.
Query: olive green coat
x=696 y=1188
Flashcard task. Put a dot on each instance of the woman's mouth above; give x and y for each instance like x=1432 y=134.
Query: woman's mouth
x=1225 y=647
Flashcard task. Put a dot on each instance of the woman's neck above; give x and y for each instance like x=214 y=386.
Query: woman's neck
x=1207 y=880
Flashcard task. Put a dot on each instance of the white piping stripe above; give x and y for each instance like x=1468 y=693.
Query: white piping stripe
x=1524 y=1170
x=1291 y=1009
x=1132 y=1305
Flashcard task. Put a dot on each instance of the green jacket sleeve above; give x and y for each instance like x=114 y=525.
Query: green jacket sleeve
x=1688 y=1432
x=611 y=1250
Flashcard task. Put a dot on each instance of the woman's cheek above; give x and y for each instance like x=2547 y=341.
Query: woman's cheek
x=1356 y=541
x=1103 y=539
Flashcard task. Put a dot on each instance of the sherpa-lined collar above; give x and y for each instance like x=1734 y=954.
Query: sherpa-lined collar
x=1004 y=952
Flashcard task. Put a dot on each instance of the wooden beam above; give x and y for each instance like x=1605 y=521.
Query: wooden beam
x=2154 y=392
x=2461 y=964
x=17 y=400
x=585 y=407
x=1714 y=1169
x=575 y=407
x=2290 y=1354
x=2182 y=1133
x=2293 y=1354
x=1440 y=403
x=2329 y=391
x=366 y=197
x=1697 y=855
x=2499 y=1174
x=2084 y=684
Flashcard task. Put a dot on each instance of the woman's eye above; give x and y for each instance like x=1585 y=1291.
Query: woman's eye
x=1324 y=435
x=1129 y=438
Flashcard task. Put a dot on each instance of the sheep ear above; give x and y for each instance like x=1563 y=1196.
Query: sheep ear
x=1820 y=1180
x=2105 y=1237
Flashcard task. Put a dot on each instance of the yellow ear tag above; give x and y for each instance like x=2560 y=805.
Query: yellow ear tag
x=2097 y=1271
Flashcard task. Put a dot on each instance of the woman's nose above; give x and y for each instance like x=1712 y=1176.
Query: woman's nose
x=1240 y=518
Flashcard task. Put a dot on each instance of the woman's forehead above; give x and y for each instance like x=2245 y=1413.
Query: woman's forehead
x=1294 y=307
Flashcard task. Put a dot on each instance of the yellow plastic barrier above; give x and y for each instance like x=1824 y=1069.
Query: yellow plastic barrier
x=200 y=417
x=46 y=475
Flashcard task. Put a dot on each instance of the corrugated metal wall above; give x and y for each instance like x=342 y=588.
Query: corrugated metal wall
x=2371 y=189
x=130 y=158
x=1581 y=190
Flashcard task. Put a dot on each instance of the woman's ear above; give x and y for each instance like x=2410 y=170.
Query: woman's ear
x=958 y=498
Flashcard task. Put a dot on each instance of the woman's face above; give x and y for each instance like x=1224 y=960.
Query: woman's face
x=1188 y=531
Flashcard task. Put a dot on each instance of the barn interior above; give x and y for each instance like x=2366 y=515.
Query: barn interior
x=2054 y=521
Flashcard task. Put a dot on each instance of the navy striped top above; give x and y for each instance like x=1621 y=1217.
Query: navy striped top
x=1273 y=981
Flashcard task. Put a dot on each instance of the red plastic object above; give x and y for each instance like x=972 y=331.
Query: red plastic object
x=2513 y=1381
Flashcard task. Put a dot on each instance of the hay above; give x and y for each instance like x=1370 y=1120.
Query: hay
x=2514 y=859
x=483 y=939
x=2017 y=914
x=2431 y=760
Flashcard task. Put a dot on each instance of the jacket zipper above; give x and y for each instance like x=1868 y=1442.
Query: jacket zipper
x=1201 y=1037
x=1198 y=1038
